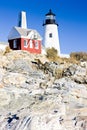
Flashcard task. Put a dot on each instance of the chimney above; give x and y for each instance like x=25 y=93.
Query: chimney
x=22 y=22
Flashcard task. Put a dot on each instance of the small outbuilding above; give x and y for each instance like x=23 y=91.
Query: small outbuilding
x=25 y=39
x=22 y=38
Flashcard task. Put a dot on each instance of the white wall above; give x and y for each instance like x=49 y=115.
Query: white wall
x=54 y=40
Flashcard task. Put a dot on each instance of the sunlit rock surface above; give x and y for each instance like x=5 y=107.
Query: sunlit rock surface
x=35 y=96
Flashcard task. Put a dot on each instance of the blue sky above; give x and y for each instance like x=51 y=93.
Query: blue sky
x=71 y=15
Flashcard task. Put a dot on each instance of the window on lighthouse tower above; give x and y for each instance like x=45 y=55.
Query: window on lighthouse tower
x=50 y=35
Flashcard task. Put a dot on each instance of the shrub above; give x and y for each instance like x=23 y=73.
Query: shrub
x=59 y=73
x=52 y=54
x=79 y=56
x=7 y=50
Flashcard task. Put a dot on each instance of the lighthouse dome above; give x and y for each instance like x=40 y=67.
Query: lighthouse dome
x=50 y=13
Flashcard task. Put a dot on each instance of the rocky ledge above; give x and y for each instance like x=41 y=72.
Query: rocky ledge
x=36 y=94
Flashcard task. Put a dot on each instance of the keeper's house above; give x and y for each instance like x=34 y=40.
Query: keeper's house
x=21 y=38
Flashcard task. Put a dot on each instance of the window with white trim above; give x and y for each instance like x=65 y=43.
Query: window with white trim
x=31 y=44
x=15 y=43
x=25 y=43
x=36 y=45
x=35 y=36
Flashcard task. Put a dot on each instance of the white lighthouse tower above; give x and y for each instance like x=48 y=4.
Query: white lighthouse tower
x=51 y=38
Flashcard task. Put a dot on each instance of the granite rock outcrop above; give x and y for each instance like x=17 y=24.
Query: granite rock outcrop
x=36 y=94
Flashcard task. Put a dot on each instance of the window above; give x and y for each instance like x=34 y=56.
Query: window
x=25 y=43
x=31 y=44
x=50 y=35
x=15 y=44
x=36 y=45
x=35 y=36
x=31 y=37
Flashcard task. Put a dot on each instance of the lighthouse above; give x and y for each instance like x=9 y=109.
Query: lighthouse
x=51 y=38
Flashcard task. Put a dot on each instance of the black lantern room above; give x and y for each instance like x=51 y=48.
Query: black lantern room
x=50 y=18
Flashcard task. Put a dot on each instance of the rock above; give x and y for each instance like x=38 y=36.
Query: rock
x=80 y=71
x=48 y=95
x=13 y=79
x=79 y=79
x=5 y=97
x=70 y=70
x=21 y=66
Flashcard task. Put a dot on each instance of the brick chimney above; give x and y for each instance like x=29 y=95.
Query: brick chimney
x=22 y=22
